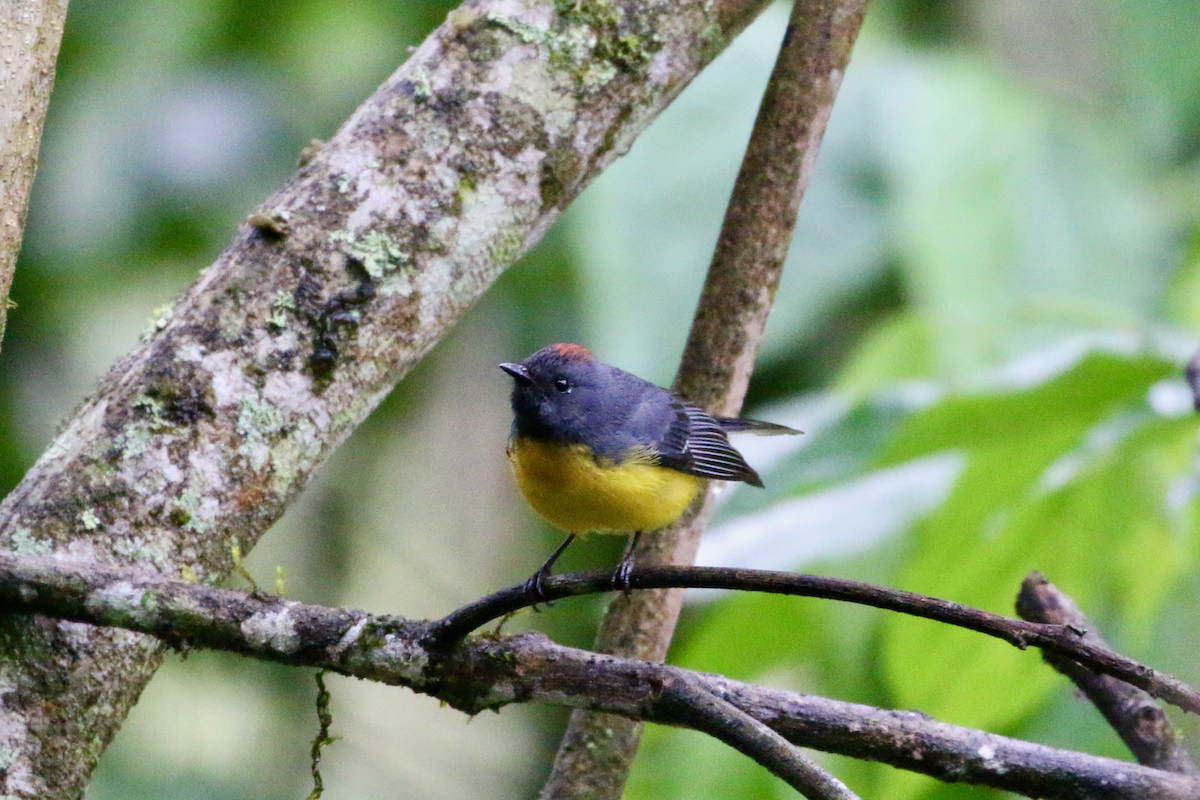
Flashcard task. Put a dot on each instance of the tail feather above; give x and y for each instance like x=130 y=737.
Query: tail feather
x=757 y=427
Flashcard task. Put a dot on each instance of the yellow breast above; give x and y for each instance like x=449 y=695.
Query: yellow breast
x=567 y=486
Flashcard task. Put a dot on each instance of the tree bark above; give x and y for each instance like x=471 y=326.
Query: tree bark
x=30 y=35
x=333 y=289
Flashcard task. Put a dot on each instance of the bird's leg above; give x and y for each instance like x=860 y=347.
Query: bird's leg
x=535 y=590
x=620 y=578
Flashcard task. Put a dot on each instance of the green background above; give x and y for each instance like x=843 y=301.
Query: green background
x=994 y=284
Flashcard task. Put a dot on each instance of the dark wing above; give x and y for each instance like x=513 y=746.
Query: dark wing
x=739 y=425
x=696 y=444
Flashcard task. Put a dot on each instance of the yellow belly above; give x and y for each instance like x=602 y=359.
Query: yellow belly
x=565 y=485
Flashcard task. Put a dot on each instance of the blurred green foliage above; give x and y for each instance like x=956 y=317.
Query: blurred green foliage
x=994 y=281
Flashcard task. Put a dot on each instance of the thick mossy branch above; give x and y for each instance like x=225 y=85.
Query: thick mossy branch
x=30 y=35
x=329 y=293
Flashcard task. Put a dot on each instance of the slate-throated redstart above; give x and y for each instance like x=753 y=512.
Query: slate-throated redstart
x=596 y=449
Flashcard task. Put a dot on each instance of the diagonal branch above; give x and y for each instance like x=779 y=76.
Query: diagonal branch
x=30 y=35
x=1131 y=711
x=333 y=289
x=491 y=672
x=688 y=703
x=596 y=752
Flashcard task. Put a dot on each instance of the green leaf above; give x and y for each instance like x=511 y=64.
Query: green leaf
x=1098 y=384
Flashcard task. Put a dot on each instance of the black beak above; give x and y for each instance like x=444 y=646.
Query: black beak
x=519 y=373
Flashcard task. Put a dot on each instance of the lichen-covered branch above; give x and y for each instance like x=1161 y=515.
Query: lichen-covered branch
x=332 y=290
x=30 y=35
x=490 y=672
x=739 y=290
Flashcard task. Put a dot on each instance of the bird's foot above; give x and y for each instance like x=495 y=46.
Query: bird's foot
x=535 y=589
x=622 y=575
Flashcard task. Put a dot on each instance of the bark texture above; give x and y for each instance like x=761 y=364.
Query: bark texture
x=30 y=35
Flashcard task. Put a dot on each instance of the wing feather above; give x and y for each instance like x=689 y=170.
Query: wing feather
x=697 y=444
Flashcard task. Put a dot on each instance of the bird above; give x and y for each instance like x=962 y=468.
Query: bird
x=596 y=449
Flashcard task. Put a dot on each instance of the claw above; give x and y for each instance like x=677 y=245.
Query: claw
x=535 y=587
x=621 y=578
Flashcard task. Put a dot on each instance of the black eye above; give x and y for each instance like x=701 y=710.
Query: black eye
x=562 y=385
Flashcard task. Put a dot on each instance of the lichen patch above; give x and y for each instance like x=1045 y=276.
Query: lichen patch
x=122 y=600
x=229 y=383
x=275 y=630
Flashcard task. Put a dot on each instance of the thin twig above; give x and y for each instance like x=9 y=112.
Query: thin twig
x=688 y=702
x=595 y=753
x=1131 y=711
x=1053 y=638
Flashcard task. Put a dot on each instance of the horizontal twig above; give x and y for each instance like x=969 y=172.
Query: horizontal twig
x=1064 y=640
